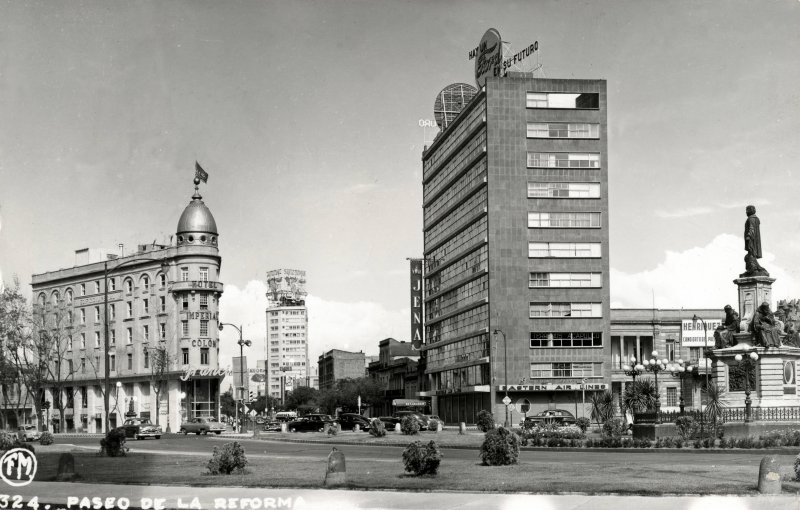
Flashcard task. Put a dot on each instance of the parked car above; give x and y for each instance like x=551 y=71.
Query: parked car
x=430 y=418
x=202 y=425
x=389 y=421
x=286 y=416
x=30 y=433
x=272 y=426
x=551 y=416
x=349 y=420
x=141 y=428
x=422 y=421
x=310 y=423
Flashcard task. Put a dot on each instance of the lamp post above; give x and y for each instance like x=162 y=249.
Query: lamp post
x=116 y=398
x=656 y=365
x=681 y=370
x=183 y=396
x=634 y=369
x=506 y=400
x=241 y=343
x=696 y=318
x=748 y=363
x=106 y=345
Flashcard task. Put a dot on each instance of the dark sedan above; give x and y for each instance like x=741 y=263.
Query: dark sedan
x=550 y=417
x=310 y=423
x=389 y=421
x=141 y=428
x=348 y=421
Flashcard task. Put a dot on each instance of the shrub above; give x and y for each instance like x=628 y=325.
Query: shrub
x=614 y=428
x=698 y=443
x=686 y=426
x=500 y=448
x=422 y=459
x=433 y=425
x=7 y=440
x=668 y=442
x=113 y=444
x=485 y=421
x=409 y=425
x=583 y=424
x=46 y=438
x=333 y=429
x=678 y=443
x=228 y=459
x=377 y=428
x=797 y=467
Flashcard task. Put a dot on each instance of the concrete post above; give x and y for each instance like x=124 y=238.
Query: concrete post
x=397 y=427
x=439 y=426
x=462 y=428
x=284 y=427
x=336 y=473
x=769 y=476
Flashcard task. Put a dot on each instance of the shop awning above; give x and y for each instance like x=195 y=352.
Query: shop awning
x=404 y=402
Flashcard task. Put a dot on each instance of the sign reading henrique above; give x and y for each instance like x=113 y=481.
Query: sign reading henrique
x=488 y=56
x=692 y=333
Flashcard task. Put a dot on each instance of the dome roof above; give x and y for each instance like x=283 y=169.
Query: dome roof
x=197 y=218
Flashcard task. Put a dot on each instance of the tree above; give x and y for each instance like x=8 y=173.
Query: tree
x=264 y=403
x=160 y=361
x=227 y=404
x=640 y=396
x=302 y=397
x=602 y=406
x=346 y=392
x=715 y=405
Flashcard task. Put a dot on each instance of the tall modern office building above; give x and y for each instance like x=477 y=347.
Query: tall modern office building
x=287 y=332
x=515 y=198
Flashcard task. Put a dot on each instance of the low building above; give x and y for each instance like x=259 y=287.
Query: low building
x=337 y=364
x=396 y=370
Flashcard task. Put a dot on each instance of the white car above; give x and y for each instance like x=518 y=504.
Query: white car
x=30 y=432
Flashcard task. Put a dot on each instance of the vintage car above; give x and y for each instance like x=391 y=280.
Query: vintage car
x=550 y=417
x=30 y=433
x=202 y=426
x=272 y=426
x=310 y=423
x=348 y=421
x=141 y=428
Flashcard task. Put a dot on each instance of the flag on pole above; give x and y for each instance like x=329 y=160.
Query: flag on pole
x=200 y=173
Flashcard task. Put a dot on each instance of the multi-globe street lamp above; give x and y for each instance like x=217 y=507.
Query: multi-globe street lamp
x=656 y=365
x=748 y=362
x=241 y=343
x=633 y=370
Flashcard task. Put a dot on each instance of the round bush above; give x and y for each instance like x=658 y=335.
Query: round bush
x=500 y=448
x=686 y=426
x=228 y=459
x=422 y=460
x=409 y=425
x=377 y=428
x=433 y=425
x=485 y=421
x=614 y=428
x=7 y=440
x=46 y=438
x=113 y=444
x=583 y=424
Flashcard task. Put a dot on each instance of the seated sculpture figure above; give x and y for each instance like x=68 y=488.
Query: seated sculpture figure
x=723 y=335
x=764 y=327
x=792 y=338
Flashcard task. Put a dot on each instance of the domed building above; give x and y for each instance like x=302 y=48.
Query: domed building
x=140 y=329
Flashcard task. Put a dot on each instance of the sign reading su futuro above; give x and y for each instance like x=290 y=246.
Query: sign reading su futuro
x=489 y=58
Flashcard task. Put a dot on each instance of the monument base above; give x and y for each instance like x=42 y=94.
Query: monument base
x=753 y=290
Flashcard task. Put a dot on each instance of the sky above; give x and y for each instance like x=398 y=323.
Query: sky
x=306 y=115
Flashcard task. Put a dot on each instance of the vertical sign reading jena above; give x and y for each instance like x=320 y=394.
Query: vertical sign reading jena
x=416 y=303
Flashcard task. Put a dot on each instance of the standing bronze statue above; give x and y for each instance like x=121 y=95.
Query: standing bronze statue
x=723 y=335
x=752 y=244
x=766 y=330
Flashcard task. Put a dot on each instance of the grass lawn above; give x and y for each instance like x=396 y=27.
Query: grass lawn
x=595 y=476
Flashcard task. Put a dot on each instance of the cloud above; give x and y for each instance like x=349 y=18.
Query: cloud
x=700 y=277
x=705 y=209
x=355 y=326
x=362 y=188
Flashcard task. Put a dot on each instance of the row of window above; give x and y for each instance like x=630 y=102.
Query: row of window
x=112 y=336
x=583 y=310
x=563 y=190
x=563 y=160
x=573 y=280
x=563 y=130
x=566 y=339
x=583 y=101
x=564 y=250
x=553 y=370
x=564 y=220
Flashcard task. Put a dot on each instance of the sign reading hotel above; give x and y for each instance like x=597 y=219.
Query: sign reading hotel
x=554 y=387
x=416 y=303
x=692 y=334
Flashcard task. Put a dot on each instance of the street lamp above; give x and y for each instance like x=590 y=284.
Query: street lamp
x=747 y=362
x=106 y=345
x=116 y=398
x=634 y=369
x=241 y=343
x=655 y=366
x=183 y=414
x=696 y=318
x=681 y=370
x=506 y=400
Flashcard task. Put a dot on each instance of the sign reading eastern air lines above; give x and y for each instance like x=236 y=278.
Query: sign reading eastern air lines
x=416 y=303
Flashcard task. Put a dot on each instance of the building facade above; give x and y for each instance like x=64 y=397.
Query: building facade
x=337 y=364
x=287 y=332
x=396 y=371
x=515 y=199
x=154 y=312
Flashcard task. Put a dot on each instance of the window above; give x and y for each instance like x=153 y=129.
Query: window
x=112 y=338
x=112 y=362
x=185 y=302
x=129 y=309
x=162 y=280
x=145 y=333
x=69 y=296
x=564 y=250
x=672 y=397
x=129 y=285
x=562 y=369
x=96 y=314
x=97 y=339
x=559 y=130
x=162 y=331
x=146 y=283
x=573 y=280
x=83 y=289
x=670 y=350
x=566 y=339
x=83 y=340
x=564 y=220
x=83 y=316
x=550 y=370
x=112 y=284
x=130 y=361
x=162 y=304
x=146 y=306
x=204 y=355
x=185 y=328
x=129 y=335
x=70 y=318
x=185 y=355
x=97 y=287
x=146 y=359
x=204 y=301
x=563 y=190
x=184 y=274
x=203 y=328
x=203 y=274
x=564 y=159
x=84 y=397
x=539 y=310
x=69 y=343
x=585 y=101
x=83 y=365
x=113 y=311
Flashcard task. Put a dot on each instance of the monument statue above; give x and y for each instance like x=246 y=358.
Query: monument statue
x=752 y=244
x=723 y=335
x=792 y=338
x=764 y=327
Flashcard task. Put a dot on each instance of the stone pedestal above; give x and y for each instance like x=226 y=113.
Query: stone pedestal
x=753 y=290
x=775 y=374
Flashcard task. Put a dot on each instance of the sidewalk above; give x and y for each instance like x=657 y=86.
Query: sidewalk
x=55 y=494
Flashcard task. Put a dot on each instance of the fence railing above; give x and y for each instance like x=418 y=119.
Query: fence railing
x=731 y=414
